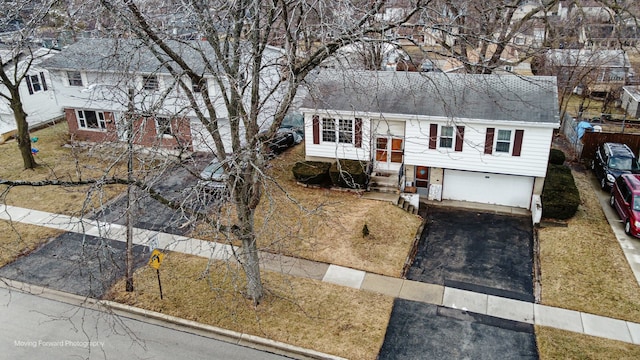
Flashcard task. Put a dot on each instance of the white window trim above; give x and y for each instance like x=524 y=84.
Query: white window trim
x=39 y=81
x=322 y=130
x=352 y=131
x=453 y=137
x=68 y=80
x=336 y=131
x=86 y=128
x=511 y=141
x=161 y=134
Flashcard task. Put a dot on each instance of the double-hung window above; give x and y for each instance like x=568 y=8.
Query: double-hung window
x=92 y=120
x=345 y=131
x=328 y=130
x=163 y=126
x=337 y=130
x=446 y=137
x=36 y=83
x=75 y=78
x=503 y=143
x=150 y=82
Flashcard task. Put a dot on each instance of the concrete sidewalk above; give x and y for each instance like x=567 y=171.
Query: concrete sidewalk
x=495 y=306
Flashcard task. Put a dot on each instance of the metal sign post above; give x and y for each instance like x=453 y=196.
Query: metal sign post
x=154 y=262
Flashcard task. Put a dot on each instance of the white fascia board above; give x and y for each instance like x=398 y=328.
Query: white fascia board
x=444 y=119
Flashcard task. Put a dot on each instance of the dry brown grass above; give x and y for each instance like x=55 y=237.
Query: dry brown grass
x=307 y=313
x=560 y=344
x=326 y=225
x=20 y=239
x=583 y=266
x=57 y=163
x=592 y=108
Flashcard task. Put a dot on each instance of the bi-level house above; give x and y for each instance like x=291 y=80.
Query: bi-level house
x=476 y=138
x=99 y=82
x=38 y=99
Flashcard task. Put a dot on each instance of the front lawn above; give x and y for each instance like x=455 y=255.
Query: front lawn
x=326 y=225
x=311 y=314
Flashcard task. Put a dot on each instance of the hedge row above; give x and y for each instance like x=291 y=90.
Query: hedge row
x=350 y=174
x=560 y=196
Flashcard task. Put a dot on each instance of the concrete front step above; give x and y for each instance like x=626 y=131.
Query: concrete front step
x=384 y=180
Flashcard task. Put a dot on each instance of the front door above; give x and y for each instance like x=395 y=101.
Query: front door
x=389 y=153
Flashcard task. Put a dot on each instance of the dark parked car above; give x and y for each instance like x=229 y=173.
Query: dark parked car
x=280 y=141
x=612 y=160
x=625 y=198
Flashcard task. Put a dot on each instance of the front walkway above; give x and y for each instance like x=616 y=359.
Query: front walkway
x=495 y=306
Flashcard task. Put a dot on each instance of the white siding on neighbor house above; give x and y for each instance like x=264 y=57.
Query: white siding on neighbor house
x=203 y=141
x=41 y=106
x=334 y=150
x=532 y=161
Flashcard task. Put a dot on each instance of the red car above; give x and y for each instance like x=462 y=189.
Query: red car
x=625 y=198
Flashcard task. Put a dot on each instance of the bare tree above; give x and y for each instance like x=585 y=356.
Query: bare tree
x=15 y=65
x=238 y=35
x=479 y=34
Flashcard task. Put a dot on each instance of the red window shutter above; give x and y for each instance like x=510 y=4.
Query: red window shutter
x=358 y=132
x=29 y=86
x=316 y=129
x=44 y=82
x=517 y=143
x=459 y=137
x=433 y=136
x=488 y=141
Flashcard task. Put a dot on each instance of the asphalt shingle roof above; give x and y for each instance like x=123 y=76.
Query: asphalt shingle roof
x=487 y=97
x=128 y=55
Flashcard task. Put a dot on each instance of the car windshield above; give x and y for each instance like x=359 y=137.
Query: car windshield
x=636 y=203
x=213 y=171
x=618 y=163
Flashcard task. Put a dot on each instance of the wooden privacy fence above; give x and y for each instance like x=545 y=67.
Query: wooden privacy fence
x=591 y=140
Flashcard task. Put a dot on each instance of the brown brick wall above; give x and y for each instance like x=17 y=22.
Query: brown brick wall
x=145 y=132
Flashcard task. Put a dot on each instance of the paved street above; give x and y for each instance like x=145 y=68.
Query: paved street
x=37 y=328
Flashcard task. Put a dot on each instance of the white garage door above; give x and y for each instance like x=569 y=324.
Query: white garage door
x=509 y=190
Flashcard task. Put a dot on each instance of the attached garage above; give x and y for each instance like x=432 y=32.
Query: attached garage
x=499 y=189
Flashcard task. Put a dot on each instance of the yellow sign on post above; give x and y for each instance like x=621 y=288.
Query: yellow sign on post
x=156 y=259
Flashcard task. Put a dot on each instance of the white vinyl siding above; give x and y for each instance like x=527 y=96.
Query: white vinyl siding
x=334 y=149
x=532 y=162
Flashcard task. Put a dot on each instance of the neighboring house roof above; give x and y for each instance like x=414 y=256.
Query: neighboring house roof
x=634 y=92
x=470 y=96
x=592 y=58
x=130 y=55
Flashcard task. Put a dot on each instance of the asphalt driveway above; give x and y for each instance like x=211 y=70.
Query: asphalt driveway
x=178 y=184
x=75 y=263
x=476 y=251
x=425 y=331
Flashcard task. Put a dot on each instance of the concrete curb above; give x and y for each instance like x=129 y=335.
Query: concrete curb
x=139 y=314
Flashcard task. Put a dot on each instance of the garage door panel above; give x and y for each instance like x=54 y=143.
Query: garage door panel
x=498 y=189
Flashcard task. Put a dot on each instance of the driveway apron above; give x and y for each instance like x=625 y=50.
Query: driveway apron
x=481 y=252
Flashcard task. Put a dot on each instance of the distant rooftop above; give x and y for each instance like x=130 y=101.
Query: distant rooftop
x=470 y=96
x=129 y=55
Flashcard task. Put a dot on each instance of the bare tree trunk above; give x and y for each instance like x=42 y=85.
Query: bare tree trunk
x=250 y=261
x=23 y=138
